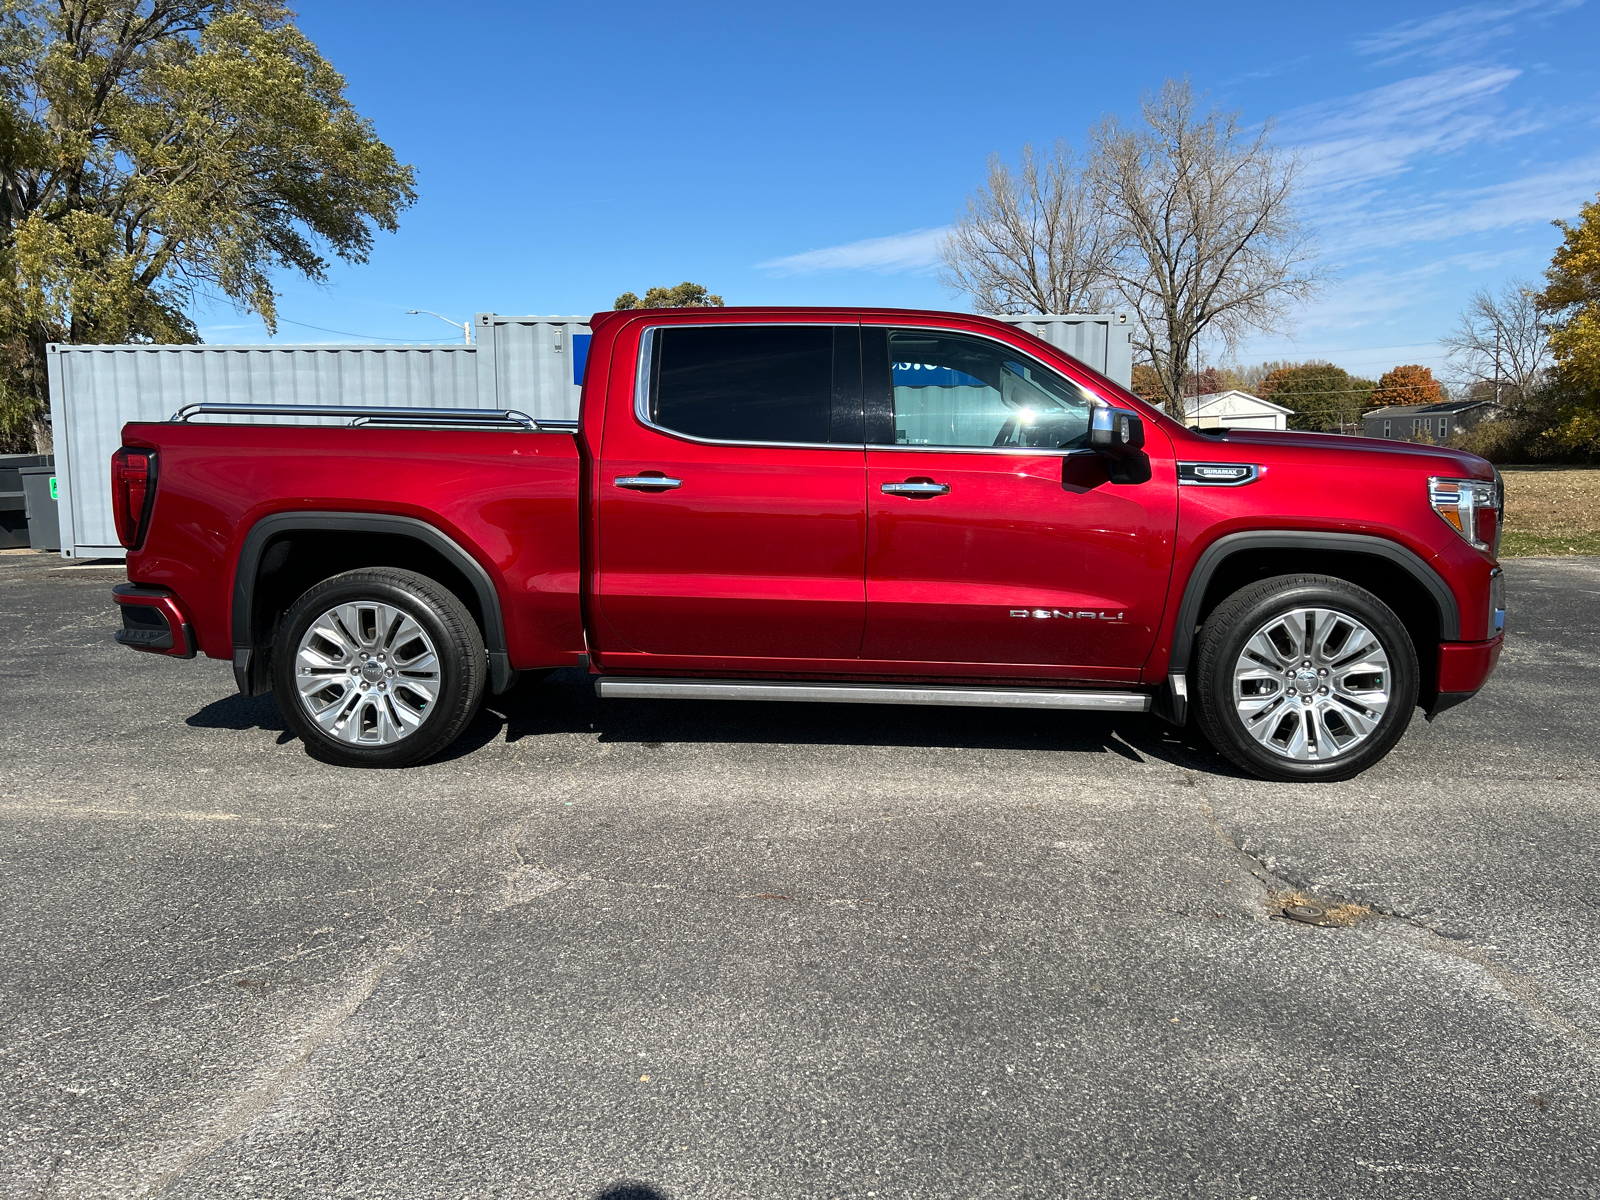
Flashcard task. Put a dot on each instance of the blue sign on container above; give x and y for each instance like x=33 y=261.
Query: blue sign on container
x=580 y=356
x=928 y=375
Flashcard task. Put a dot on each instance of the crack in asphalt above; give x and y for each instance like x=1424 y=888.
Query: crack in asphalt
x=1524 y=990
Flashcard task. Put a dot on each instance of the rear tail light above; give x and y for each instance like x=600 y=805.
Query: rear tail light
x=1472 y=507
x=133 y=493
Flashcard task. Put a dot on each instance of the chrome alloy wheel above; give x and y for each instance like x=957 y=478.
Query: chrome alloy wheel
x=367 y=673
x=1312 y=684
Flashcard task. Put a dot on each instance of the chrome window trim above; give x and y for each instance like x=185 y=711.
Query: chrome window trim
x=1012 y=451
x=1255 y=474
x=641 y=394
x=641 y=388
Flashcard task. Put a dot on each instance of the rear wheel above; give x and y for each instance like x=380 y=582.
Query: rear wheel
x=1305 y=677
x=378 y=668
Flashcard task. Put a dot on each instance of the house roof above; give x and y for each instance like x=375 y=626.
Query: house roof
x=1416 y=410
x=1221 y=399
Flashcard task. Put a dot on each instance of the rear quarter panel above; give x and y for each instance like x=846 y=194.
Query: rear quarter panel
x=510 y=500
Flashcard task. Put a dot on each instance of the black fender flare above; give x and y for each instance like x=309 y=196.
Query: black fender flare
x=1171 y=702
x=247 y=662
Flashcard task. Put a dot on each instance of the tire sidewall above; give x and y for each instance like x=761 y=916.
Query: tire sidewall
x=394 y=589
x=1220 y=718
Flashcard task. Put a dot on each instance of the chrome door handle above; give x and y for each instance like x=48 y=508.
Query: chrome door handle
x=915 y=489
x=647 y=483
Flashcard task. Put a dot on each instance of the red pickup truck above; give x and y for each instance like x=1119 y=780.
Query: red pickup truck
x=844 y=505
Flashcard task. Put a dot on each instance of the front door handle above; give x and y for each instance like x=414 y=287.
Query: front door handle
x=922 y=489
x=647 y=483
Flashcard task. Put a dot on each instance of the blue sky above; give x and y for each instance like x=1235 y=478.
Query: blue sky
x=810 y=154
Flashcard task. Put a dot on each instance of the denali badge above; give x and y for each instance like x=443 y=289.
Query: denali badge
x=1082 y=614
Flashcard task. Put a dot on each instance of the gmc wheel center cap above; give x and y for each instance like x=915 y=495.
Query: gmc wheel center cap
x=1306 y=679
x=372 y=670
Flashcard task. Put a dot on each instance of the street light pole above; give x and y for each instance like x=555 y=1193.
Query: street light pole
x=464 y=326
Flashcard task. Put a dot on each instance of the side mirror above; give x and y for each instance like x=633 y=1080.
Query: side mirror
x=1116 y=432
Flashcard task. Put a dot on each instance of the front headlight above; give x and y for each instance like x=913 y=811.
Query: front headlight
x=1472 y=507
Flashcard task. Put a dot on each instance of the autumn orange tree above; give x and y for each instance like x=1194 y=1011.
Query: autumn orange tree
x=1147 y=383
x=1410 y=384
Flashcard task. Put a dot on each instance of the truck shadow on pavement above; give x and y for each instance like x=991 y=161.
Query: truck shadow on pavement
x=565 y=703
x=240 y=712
x=630 y=1189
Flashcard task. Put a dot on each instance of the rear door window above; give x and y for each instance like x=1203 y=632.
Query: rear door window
x=756 y=383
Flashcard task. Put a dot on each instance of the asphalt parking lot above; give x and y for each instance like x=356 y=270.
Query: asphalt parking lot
x=712 y=950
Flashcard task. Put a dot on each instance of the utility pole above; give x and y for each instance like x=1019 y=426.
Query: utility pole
x=1196 y=408
x=1497 y=366
x=464 y=326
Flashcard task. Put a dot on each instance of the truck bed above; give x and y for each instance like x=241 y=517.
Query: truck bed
x=508 y=499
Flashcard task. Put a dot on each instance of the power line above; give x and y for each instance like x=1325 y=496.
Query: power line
x=371 y=337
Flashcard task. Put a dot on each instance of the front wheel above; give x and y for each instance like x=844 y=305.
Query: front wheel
x=378 y=668
x=1305 y=677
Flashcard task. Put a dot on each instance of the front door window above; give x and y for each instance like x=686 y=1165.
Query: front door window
x=951 y=390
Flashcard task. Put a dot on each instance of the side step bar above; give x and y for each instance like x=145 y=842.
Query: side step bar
x=643 y=688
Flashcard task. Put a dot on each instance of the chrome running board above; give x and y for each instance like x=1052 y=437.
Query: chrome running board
x=631 y=687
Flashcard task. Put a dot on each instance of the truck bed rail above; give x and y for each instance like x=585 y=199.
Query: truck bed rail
x=391 y=418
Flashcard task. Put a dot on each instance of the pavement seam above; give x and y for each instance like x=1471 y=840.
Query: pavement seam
x=1523 y=989
x=259 y=1099
x=295 y=956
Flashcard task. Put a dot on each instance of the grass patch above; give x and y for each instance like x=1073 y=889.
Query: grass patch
x=1551 y=511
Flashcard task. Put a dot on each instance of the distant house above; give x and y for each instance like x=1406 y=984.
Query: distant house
x=1234 y=410
x=1427 y=422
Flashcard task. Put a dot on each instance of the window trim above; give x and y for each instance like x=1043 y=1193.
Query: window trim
x=641 y=384
x=641 y=394
x=1095 y=401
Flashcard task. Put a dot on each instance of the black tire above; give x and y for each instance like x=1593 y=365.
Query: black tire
x=1301 y=718
x=438 y=705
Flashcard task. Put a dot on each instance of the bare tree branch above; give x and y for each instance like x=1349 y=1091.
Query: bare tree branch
x=1502 y=338
x=1033 y=241
x=1207 y=240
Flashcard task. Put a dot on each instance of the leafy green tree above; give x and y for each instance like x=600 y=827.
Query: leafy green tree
x=1572 y=298
x=685 y=295
x=1322 y=396
x=154 y=151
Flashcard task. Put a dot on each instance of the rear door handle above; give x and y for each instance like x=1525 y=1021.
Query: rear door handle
x=920 y=488
x=647 y=483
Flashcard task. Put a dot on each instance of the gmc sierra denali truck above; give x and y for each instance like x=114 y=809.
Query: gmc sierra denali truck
x=842 y=505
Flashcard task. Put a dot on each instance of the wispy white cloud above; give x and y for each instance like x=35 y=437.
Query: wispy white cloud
x=1533 y=199
x=1371 y=297
x=916 y=251
x=1457 y=31
x=1373 y=135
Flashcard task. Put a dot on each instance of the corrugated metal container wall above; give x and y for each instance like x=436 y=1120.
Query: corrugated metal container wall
x=96 y=390
x=1102 y=342
x=532 y=364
